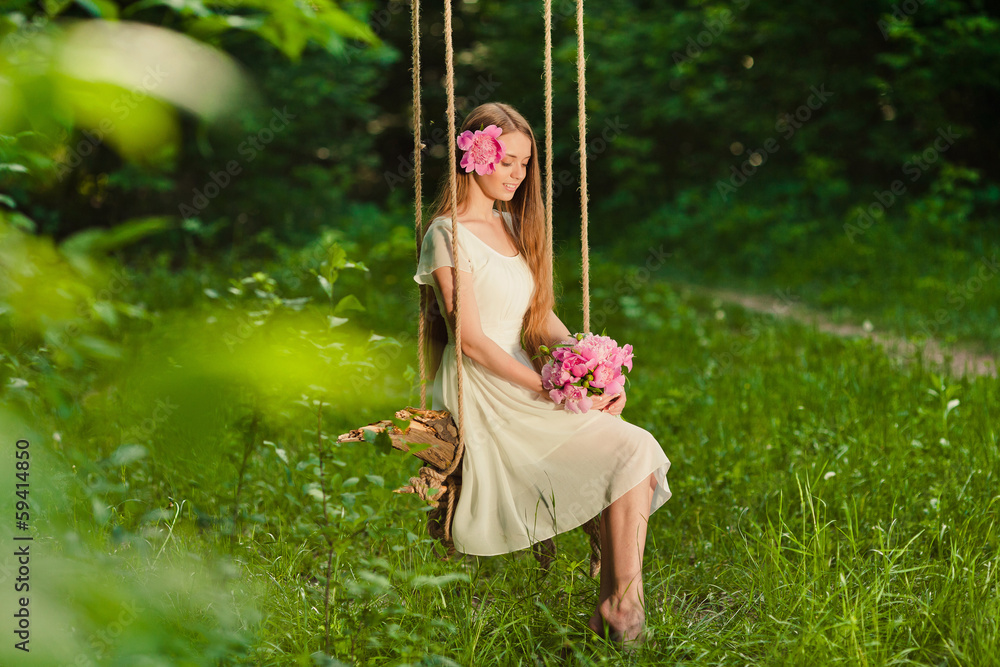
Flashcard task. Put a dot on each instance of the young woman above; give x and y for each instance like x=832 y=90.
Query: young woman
x=531 y=469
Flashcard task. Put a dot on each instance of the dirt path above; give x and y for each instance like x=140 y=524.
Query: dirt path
x=964 y=360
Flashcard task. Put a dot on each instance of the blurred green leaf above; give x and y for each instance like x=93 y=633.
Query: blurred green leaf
x=127 y=454
x=325 y=284
x=92 y=241
x=438 y=581
x=100 y=8
x=349 y=302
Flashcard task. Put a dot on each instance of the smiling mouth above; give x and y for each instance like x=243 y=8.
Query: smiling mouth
x=510 y=188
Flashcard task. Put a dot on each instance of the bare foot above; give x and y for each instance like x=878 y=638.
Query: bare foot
x=596 y=623
x=626 y=623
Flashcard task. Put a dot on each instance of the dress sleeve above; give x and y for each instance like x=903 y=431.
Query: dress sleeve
x=509 y=220
x=436 y=252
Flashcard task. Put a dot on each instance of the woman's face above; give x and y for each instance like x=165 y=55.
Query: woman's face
x=510 y=171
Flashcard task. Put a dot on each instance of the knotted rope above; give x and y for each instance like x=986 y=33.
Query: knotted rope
x=431 y=479
x=593 y=526
x=548 y=131
x=449 y=56
x=418 y=194
x=582 y=115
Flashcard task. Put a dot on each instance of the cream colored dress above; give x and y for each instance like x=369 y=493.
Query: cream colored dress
x=531 y=469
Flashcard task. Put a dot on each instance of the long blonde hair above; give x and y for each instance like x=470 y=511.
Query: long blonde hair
x=528 y=223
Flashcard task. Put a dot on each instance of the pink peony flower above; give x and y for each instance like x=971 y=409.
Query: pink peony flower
x=616 y=386
x=569 y=366
x=603 y=375
x=577 y=400
x=627 y=356
x=579 y=365
x=561 y=353
x=483 y=149
x=554 y=376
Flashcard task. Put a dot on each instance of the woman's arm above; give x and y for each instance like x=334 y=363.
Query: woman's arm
x=475 y=344
x=557 y=331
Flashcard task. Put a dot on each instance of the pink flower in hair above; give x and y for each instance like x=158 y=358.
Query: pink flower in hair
x=483 y=150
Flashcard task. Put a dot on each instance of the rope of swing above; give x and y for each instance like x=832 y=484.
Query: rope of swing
x=449 y=56
x=582 y=115
x=443 y=476
x=592 y=526
x=418 y=193
x=548 y=132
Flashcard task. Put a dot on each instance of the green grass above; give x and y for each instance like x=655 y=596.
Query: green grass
x=831 y=505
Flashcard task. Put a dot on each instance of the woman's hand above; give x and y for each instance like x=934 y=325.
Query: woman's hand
x=610 y=404
x=541 y=391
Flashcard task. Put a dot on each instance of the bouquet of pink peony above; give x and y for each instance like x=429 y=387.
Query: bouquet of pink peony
x=593 y=366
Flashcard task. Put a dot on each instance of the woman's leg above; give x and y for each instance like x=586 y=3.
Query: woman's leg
x=626 y=520
x=596 y=622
